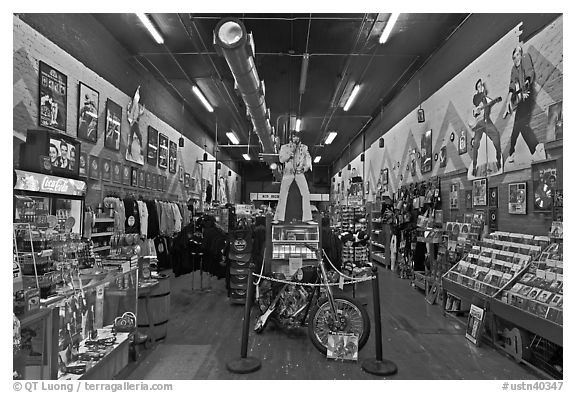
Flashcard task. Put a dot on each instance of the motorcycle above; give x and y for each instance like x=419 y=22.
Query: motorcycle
x=292 y=305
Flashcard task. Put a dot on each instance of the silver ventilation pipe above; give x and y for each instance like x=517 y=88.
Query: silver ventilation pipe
x=237 y=47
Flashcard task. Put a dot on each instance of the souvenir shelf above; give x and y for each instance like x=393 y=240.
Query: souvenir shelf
x=377 y=247
x=292 y=245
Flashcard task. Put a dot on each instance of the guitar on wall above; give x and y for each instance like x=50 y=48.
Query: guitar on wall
x=479 y=111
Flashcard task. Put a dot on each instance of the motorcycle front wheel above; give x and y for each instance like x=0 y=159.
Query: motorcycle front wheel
x=353 y=319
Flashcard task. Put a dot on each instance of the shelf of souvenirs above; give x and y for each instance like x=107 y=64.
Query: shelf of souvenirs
x=372 y=242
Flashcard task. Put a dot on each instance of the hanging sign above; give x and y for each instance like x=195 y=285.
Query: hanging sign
x=30 y=181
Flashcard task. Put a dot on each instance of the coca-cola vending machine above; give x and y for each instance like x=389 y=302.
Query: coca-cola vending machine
x=39 y=196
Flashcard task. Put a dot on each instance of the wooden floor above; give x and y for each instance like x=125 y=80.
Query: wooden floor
x=204 y=334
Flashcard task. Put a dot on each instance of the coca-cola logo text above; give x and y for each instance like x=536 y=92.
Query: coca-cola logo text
x=55 y=185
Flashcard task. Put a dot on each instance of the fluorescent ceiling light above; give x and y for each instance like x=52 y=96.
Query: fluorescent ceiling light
x=331 y=136
x=233 y=138
x=317 y=159
x=389 y=26
x=151 y=29
x=298 y=123
x=352 y=97
x=246 y=157
x=203 y=99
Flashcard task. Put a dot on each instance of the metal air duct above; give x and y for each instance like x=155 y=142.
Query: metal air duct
x=237 y=47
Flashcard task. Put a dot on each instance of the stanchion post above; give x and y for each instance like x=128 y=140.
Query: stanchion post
x=378 y=366
x=245 y=364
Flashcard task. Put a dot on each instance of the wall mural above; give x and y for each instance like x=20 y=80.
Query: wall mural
x=504 y=106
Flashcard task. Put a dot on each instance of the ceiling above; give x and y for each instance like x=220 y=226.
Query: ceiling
x=343 y=49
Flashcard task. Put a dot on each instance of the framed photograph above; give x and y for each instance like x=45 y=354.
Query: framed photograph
x=479 y=192
x=126 y=175
x=53 y=98
x=94 y=167
x=134 y=176
x=172 y=157
x=426 y=150
x=186 y=180
x=517 y=198
x=162 y=151
x=135 y=145
x=493 y=219
x=113 y=127
x=141 y=179
x=88 y=101
x=181 y=173
x=493 y=197
x=116 y=172
x=555 y=122
x=463 y=142
x=148 y=180
x=152 y=151
x=454 y=196
x=413 y=167
x=443 y=157
x=468 y=195
x=385 y=176
x=106 y=169
x=545 y=181
x=83 y=164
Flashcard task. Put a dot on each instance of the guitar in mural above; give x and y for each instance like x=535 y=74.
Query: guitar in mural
x=479 y=112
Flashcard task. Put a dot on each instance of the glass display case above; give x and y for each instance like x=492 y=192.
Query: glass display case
x=293 y=246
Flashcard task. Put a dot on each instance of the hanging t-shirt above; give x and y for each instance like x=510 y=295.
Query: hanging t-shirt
x=132 y=216
x=143 y=211
x=177 y=218
x=153 y=223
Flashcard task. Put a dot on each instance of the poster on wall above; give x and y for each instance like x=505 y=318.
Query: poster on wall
x=106 y=169
x=152 y=151
x=148 y=184
x=463 y=142
x=193 y=184
x=134 y=177
x=443 y=157
x=141 y=178
x=126 y=175
x=53 y=98
x=113 y=126
x=186 y=180
x=413 y=167
x=426 y=152
x=172 y=157
x=555 y=122
x=517 y=198
x=479 y=192
x=153 y=181
x=454 y=196
x=94 y=164
x=83 y=161
x=135 y=145
x=468 y=195
x=62 y=154
x=545 y=182
x=116 y=172
x=493 y=219
x=88 y=102
x=493 y=197
x=181 y=173
x=162 y=151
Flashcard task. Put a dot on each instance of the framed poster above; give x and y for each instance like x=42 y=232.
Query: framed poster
x=517 y=198
x=426 y=149
x=162 y=183
x=181 y=173
x=454 y=196
x=159 y=182
x=413 y=167
x=186 y=180
x=493 y=197
x=468 y=194
x=172 y=157
x=116 y=172
x=126 y=175
x=135 y=145
x=463 y=142
x=493 y=219
x=83 y=164
x=162 y=151
x=94 y=167
x=545 y=181
x=152 y=151
x=443 y=157
x=193 y=184
x=385 y=177
x=153 y=181
x=134 y=177
x=88 y=101
x=148 y=180
x=53 y=98
x=141 y=178
x=113 y=127
x=479 y=192
x=106 y=169
x=555 y=122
